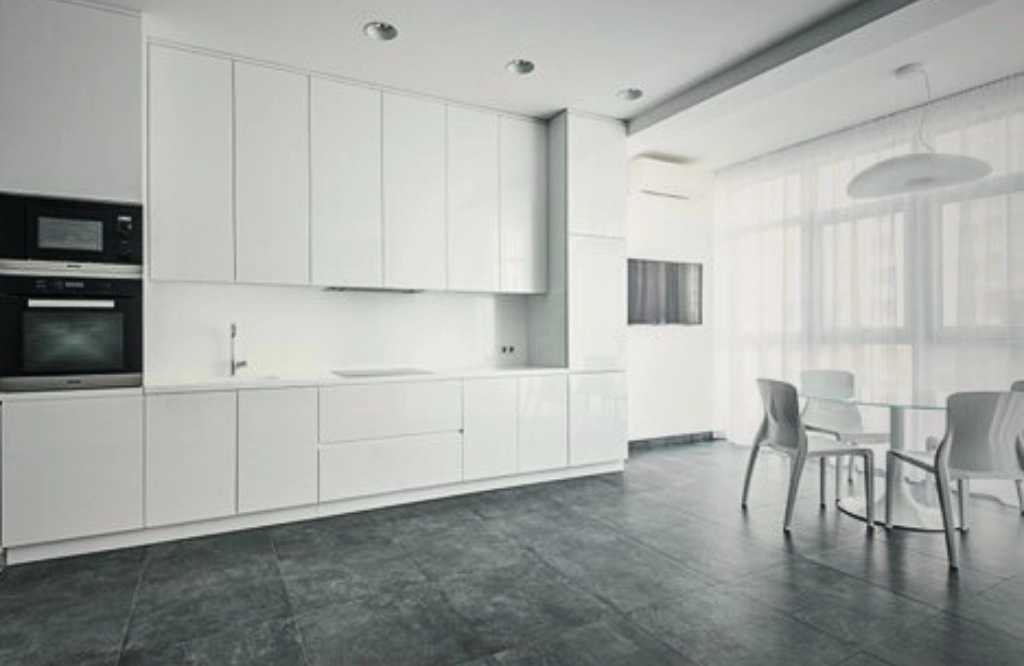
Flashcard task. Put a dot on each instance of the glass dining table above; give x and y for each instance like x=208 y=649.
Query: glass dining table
x=908 y=513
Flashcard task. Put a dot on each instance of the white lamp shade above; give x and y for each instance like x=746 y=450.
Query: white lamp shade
x=915 y=172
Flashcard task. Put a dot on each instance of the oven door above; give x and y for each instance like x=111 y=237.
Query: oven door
x=57 y=343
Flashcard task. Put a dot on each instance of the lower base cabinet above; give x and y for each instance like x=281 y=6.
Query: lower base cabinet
x=597 y=418
x=71 y=468
x=191 y=457
x=373 y=467
x=543 y=423
x=490 y=427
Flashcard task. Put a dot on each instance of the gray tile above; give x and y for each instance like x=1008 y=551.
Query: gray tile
x=211 y=560
x=1000 y=607
x=721 y=627
x=514 y=501
x=467 y=547
x=948 y=640
x=273 y=643
x=864 y=659
x=416 y=627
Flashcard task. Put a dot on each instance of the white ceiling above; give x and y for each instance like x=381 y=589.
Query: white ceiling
x=963 y=43
x=585 y=50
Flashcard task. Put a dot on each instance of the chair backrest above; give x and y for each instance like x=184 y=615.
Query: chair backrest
x=782 y=427
x=984 y=435
x=826 y=413
x=1018 y=385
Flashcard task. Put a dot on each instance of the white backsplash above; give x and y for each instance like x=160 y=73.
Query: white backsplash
x=302 y=330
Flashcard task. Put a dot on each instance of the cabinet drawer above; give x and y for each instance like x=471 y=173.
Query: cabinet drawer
x=375 y=411
x=371 y=467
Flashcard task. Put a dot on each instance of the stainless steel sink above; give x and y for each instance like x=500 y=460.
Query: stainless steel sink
x=380 y=372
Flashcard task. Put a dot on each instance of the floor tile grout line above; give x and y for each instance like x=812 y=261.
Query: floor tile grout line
x=288 y=597
x=143 y=565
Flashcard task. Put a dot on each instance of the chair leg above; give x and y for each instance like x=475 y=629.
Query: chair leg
x=849 y=470
x=839 y=478
x=946 y=504
x=796 y=470
x=869 y=487
x=1020 y=495
x=822 y=490
x=750 y=473
x=963 y=490
x=890 y=486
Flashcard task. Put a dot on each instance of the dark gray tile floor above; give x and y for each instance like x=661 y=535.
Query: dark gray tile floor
x=654 y=566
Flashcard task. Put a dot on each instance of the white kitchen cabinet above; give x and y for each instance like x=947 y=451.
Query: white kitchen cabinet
x=490 y=428
x=70 y=100
x=543 y=423
x=597 y=175
x=346 y=223
x=473 y=200
x=271 y=175
x=191 y=457
x=389 y=409
x=597 y=303
x=71 y=468
x=277 y=456
x=372 y=467
x=597 y=418
x=524 y=206
x=415 y=237
x=191 y=207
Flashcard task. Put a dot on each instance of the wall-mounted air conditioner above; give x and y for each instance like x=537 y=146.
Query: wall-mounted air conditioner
x=663 y=178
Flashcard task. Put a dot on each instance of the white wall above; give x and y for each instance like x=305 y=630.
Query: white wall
x=299 y=330
x=670 y=368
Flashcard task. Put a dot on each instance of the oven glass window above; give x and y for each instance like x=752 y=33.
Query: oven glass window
x=62 y=342
x=57 y=233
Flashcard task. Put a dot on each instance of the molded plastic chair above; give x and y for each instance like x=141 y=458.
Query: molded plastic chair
x=984 y=440
x=1018 y=386
x=784 y=431
x=823 y=413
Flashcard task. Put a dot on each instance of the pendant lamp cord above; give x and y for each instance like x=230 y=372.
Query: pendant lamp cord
x=924 y=112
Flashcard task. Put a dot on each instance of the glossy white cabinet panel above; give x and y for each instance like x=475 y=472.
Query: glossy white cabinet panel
x=191 y=456
x=271 y=175
x=415 y=237
x=346 y=198
x=597 y=303
x=597 y=418
x=372 y=467
x=71 y=468
x=524 y=206
x=70 y=101
x=277 y=440
x=598 y=181
x=490 y=427
x=373 y=411
x=472 y=200
x=543 y=423
x=191 y=207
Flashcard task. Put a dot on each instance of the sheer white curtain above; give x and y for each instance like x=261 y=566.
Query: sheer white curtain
x=913 y=294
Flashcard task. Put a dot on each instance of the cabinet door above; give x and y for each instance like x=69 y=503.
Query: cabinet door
x=597 y=303
x=191 y=207
x=277 y=438
x=490 y=427
x=191 y=454
x=71 y=468
x=271 y=175
x=598 y=181
x=346 y=217
x=597 y=418
x=543 y=423
x=389 y=409
x=472 y=200
x=524 y=206
x=415 y=243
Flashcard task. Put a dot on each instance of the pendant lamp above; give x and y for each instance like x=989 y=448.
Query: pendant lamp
x=920 y=170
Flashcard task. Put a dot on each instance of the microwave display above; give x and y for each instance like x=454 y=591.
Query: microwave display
x=77 y=235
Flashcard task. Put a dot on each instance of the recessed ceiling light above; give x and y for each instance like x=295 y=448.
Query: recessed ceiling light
x=520 y=66
x=381 y=31
x=630 y=94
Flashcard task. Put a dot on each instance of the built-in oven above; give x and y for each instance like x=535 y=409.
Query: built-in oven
x=46 y=235
x=69 y=332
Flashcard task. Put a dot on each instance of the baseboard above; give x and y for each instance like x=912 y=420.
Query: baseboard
x=675 y=440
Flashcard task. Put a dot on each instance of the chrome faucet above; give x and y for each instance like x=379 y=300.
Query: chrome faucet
x=236 y=364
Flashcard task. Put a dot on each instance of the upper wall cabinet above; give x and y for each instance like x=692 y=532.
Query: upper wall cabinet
x=524 y=206
x=271 y=175
x=597 y=177
x=71 y=100
x=346 y=197
x=191 y=208
x=473 y=206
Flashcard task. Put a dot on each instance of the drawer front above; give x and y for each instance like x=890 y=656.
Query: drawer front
x=377 y=411
x=372 y=467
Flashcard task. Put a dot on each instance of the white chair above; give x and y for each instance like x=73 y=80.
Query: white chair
x=984 y=440
x=1018 y=386
x=783 y=430
x=823 y=411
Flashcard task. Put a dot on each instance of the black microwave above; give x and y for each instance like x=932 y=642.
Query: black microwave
x=45 y=234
